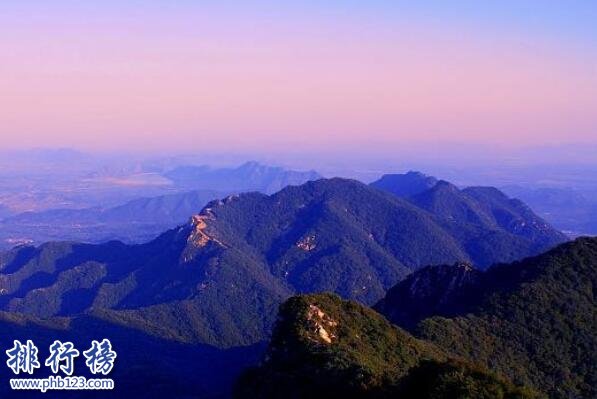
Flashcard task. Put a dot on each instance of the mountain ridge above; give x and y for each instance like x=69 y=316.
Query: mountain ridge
x=532 y=320
x=225 y=271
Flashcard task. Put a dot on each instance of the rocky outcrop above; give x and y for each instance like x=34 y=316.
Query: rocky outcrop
x=322 y=324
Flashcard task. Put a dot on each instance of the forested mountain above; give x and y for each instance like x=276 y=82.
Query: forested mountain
x=533 y=320
x=218 y=279
x=325 y=347
x=143 y=219
x=223 y=274
x=434 y=290
x=484 y=208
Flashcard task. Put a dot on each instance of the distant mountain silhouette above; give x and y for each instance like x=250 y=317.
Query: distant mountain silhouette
x=143 y=219
x=570 y=210
x=405 y=185
x=136 y=221
x=250 y=176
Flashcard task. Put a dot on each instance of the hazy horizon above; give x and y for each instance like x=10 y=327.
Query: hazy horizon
x=570 y=167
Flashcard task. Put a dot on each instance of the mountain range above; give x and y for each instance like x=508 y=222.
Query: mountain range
x=226 y=270
x=323 y=346
x=405 y=185
x=483 y=207
x=519 y=330
x=534 y=321
x=250 y=176
x=213 y=284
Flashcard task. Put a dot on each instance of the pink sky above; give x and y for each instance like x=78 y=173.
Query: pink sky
x=221 y=78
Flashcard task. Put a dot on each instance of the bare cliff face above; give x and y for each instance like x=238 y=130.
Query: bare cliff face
x=201 y=231
x=322 y=326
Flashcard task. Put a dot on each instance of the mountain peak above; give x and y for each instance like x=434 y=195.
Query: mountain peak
x=414 y=173
x=405 y=185
x=443 y=187
x=198 y=236
x=365 y=358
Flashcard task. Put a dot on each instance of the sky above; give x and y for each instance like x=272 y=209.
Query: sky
x=370 y=77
